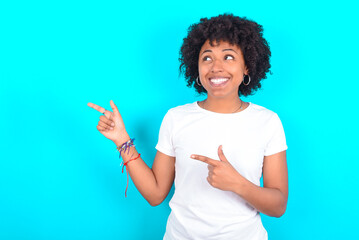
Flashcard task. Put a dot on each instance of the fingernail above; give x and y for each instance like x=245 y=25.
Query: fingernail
x=111 y=128
x=112 y=124
x=192 y=156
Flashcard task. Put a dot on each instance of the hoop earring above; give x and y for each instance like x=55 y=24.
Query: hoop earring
x=197 y=81
x=249 y=80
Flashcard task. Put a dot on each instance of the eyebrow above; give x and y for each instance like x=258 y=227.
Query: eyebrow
x=227 y=49
x=206 y=51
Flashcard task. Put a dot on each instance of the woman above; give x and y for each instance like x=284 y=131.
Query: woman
x=215 y=150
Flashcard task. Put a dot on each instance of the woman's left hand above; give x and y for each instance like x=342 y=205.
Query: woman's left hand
x=221 y=174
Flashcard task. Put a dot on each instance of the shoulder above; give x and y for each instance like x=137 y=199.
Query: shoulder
x=183 y=109
x=182 y=114
x=266 y=118
x=263 y=112
x=180 y=111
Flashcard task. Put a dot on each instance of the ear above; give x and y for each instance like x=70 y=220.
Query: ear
x=245 y=70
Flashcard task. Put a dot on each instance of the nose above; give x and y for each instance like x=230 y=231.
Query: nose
x=217 y=66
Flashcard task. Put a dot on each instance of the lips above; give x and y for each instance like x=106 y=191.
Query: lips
x=218 y=81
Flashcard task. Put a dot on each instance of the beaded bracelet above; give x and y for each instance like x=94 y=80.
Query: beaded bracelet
x=126 y=146
x=125 y=165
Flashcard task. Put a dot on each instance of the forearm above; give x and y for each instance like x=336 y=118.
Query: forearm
x=142 y=176
x=154 y=184
x=270 y=201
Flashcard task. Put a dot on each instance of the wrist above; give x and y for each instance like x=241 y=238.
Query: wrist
x=240 y=185
x=122 y=139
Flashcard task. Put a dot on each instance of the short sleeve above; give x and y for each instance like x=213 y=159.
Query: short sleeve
x=276 y=139
x=165 y=144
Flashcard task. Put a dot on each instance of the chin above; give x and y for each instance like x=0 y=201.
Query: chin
x=221 y=94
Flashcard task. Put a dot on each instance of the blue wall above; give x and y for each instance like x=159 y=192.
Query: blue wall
x=61 y=179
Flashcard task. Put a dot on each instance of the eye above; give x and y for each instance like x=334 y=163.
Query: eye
x=229 y=57
x=206 y=58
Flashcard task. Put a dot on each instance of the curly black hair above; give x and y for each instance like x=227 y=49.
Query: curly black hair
x=246 y=34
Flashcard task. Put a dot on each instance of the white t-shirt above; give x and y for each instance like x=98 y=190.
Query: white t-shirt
x=200 y=211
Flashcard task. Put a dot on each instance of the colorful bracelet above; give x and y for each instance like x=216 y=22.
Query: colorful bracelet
x=126 y=146
x=125 y=165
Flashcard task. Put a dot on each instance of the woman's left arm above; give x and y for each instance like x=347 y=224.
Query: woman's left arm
x=271 y=199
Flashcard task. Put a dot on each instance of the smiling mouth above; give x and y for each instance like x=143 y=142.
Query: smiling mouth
x=218 y=82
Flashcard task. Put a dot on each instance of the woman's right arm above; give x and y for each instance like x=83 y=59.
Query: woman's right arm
x=154 y=184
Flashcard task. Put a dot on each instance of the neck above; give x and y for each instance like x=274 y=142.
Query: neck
x=224 y=105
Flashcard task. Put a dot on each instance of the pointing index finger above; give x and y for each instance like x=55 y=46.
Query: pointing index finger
x=96 y=107
x=205 y=159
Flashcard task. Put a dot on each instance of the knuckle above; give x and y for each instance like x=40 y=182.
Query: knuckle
x=103 y=118
x=104 y=124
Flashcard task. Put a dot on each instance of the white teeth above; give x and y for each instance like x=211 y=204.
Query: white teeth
x=218 y=80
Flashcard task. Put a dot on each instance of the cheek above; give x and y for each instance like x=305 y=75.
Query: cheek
x=238 y=71
x=203 y=72
x=202 y=69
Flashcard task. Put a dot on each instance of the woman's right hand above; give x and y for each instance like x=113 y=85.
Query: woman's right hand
x=111 y=124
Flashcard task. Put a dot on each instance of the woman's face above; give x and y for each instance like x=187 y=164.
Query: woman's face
x=221 y=68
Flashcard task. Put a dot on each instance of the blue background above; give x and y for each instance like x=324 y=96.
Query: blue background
x=61 y=179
